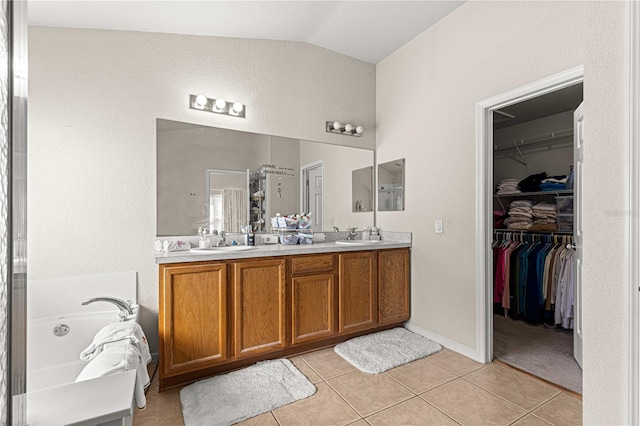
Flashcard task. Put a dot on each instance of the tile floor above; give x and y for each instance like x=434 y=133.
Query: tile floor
x=443 y=389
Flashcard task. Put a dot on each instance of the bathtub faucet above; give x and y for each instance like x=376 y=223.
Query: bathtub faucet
x=125 y=307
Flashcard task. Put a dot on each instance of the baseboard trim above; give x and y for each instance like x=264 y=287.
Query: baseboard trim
x=448 y=343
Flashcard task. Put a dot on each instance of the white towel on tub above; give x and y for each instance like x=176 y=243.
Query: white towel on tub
x=117 y=357
x=117 y=331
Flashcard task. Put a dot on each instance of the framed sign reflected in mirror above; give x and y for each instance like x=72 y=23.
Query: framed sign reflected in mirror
x=391 y=186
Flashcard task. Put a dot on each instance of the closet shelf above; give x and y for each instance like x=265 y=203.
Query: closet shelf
x=559 y=138
x=565 y=135
x=527 y=194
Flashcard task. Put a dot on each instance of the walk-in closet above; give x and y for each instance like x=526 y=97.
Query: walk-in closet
x=533 y=247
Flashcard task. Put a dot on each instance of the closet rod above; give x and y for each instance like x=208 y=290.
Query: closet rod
x=520 y=234
x=559 y=136
x=535 y=234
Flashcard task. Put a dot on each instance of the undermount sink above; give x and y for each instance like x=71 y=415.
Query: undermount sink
x=207 y=250
x=360 y=242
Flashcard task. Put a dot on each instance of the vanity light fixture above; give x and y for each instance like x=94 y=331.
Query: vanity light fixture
x=218 y=106
x=344 y=129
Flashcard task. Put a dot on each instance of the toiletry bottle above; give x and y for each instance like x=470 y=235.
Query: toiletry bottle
x=366 y=233
x=251 y=239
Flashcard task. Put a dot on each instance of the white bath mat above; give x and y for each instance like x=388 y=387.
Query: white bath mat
x=239 y=395
x=382 y=351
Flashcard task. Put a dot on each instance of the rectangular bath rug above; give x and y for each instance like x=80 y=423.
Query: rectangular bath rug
x=382 y=351
x=230 y=398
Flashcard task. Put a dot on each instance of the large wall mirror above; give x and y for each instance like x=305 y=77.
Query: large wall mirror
x=221 y=179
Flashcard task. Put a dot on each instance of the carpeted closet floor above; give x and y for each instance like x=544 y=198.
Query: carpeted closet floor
x=542 y=351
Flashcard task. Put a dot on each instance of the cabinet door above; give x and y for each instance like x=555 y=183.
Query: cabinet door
x=393 y=285
x=313 y=308
x=259 y=307
x=192 y=317
x=358 y=307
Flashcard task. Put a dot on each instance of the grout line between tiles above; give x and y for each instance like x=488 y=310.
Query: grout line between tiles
x=544 y=402
x=446 y=414
x=518 y=419
x=375 y=412
x=275 y=418
x=400 y=383
x=496 y=395
x=540 y=418
x=457 y=374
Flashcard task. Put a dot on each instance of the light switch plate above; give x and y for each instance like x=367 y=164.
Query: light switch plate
x=439 y=229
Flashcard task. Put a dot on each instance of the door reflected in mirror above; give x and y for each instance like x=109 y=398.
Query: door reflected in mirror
x=391 y=186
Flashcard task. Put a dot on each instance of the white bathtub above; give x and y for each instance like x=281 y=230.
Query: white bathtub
x=53 y=362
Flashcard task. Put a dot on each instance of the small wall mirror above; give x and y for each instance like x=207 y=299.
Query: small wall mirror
x=391 y=186
x=361 y=189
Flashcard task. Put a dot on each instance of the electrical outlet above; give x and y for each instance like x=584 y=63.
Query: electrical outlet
x=439 y=229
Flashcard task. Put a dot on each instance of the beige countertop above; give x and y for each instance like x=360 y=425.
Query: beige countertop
x=269 y=250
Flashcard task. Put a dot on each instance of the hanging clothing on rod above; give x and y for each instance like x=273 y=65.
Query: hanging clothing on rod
x=533 y=276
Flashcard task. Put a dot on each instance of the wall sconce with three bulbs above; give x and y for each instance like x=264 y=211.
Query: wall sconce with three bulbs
x=344 y=129
x=218 y=106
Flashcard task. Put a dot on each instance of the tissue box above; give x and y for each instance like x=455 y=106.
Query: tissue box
x=288 y=239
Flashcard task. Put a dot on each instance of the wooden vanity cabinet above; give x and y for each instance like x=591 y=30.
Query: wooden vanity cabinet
x=215 y=316
x=259 y=307
x=357 y=291
x=313 y=292
x=192 y=318
x=393 y=285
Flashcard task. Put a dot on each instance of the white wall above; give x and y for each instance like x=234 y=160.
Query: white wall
x=285 y=153
x=94 y=97
x=426 y=97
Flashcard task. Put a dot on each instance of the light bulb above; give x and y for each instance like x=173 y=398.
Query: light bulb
x=348 y=127
x=337 y=125
x=237 y=107
x=201 y=101
x=220 y=103
x=359 y=129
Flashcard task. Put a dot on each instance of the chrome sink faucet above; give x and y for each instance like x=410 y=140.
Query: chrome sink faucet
x=352 y=234
x=222 y=241
x=124 y=306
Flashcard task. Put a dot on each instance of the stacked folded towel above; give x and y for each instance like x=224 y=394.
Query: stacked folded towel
x=119 y=347
x=544 y=217
x=520 y=215
x=508 y=186
x=114 y=332
x=554 y=183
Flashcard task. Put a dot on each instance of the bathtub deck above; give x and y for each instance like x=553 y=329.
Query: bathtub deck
x=91 y=402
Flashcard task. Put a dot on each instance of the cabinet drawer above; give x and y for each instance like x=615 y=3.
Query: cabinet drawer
x=314 y=263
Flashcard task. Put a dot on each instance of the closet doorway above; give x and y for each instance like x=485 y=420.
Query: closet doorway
x=530 y=260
